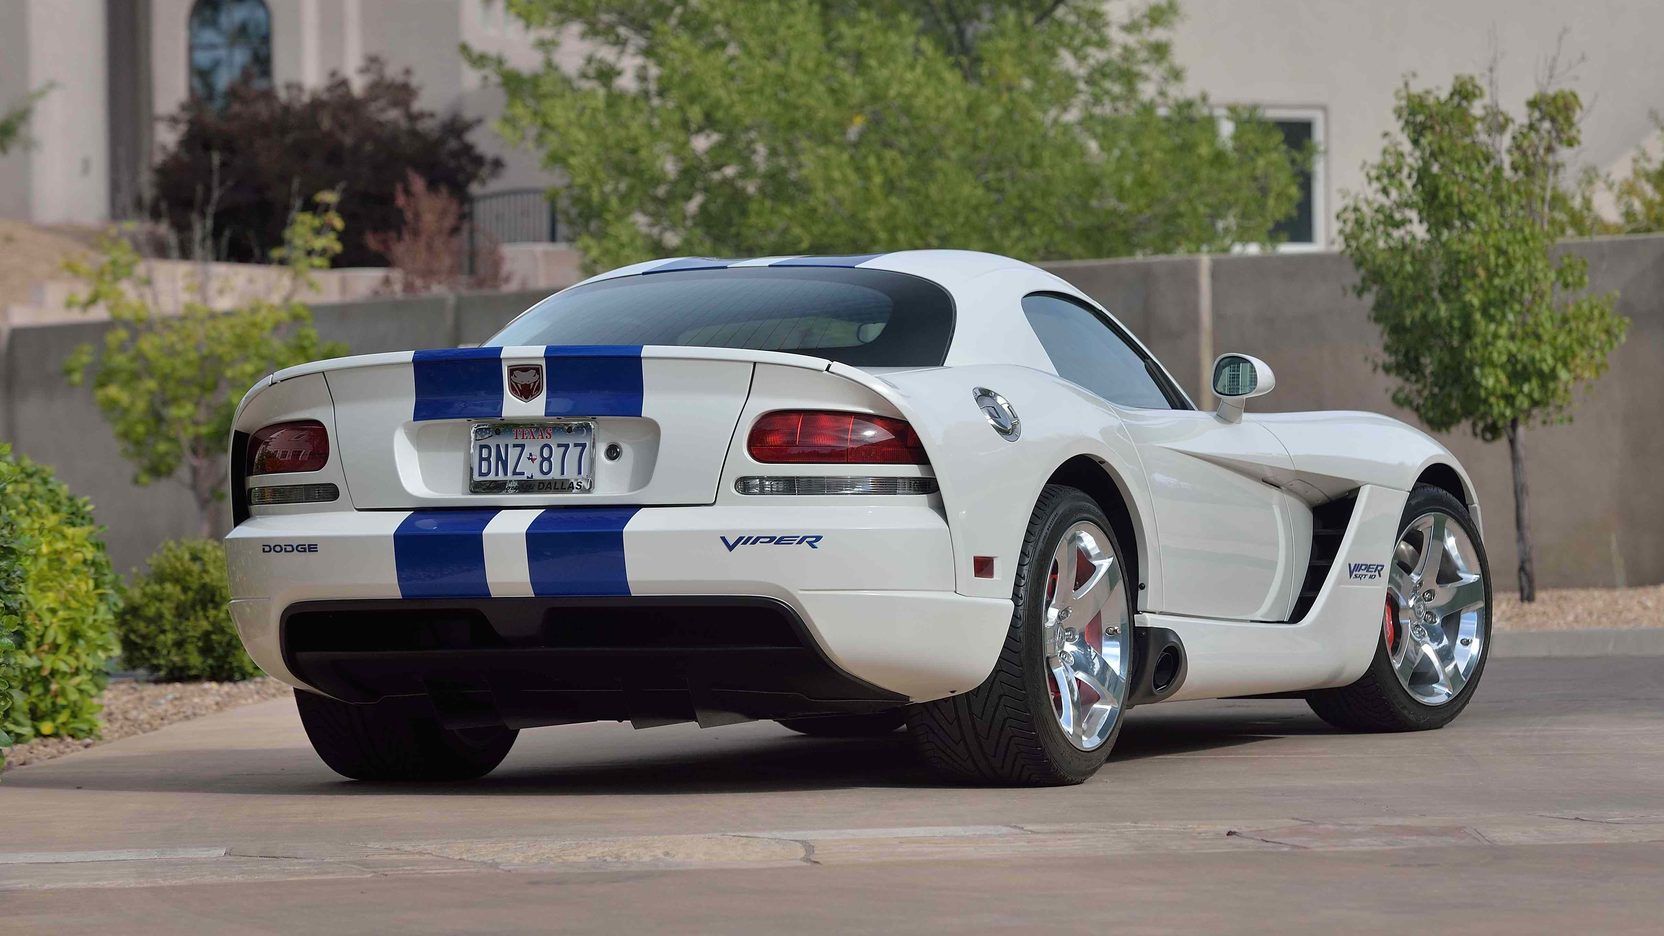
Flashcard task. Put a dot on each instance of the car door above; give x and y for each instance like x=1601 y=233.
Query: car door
x=1227 y=535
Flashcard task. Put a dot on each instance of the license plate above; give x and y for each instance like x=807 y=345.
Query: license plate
x=531 y=458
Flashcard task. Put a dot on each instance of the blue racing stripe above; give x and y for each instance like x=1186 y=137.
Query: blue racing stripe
x=692 y=263
x=579 y=551
x=441 y=554
x=592 y=380
x=849 y=260
x=458 y=383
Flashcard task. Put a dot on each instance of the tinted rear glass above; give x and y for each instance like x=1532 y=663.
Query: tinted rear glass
x=867 y=318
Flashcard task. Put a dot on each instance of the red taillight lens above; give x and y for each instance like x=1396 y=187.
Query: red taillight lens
x=292 y=446
x=800 y=437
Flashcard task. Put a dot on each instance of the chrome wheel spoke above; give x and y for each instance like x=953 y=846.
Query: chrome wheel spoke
x=1432 y=551
x=1405 y=666
x=1063 y=678
x=1439 y=670
x=1399 y=584
x=1095 y=595
x=1467 y=592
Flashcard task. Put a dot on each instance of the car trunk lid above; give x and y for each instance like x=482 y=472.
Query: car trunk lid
x=415 y=430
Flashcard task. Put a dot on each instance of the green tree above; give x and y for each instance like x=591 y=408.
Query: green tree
x=1640 y=195
x=1042 y=129
x=1483 y=321
x=169 y=384
x=14 y=121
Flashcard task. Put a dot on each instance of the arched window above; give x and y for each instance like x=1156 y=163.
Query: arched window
x=231 y=41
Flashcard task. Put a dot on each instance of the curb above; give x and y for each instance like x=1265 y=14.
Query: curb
x=1647 y=641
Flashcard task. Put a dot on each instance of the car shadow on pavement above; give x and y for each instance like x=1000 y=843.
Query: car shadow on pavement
x=631 y=764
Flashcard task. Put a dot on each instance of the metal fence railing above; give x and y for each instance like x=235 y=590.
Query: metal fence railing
x=514 y=216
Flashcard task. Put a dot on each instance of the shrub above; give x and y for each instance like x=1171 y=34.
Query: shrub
x=174 y=619
x=241 y=168
x=65 y=605
x=11 y=604
x=431 y=250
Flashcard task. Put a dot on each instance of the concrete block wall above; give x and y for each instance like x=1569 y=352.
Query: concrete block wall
x=1596 y=511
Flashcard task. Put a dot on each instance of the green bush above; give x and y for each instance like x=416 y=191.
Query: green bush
x=64 y=607
x=11 y=604
x=174 y=619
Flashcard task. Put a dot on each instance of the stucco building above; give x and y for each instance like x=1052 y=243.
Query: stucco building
x=116 y=66
x=1325 y=70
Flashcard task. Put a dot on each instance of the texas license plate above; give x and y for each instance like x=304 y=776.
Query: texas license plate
x=531 y=458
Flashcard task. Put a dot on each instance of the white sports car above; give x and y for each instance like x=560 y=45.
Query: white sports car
x=937 y=488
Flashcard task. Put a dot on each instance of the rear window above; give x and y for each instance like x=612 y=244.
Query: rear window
x=866 y=318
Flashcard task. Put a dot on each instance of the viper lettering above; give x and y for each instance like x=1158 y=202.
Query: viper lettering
x=811 y=540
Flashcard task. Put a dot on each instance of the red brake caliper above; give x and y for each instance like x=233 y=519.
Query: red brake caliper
x=1389 y=624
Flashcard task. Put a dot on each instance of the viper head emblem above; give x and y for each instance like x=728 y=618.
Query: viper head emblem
x=525 y=381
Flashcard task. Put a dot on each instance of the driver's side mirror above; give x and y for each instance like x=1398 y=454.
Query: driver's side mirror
x=1236 y=377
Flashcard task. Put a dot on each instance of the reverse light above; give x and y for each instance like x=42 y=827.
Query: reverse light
x=805 y=437
x=817 y=486
x=282 y=448
x=279 y=495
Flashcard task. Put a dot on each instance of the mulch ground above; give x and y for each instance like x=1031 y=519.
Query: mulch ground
x=1582 y=609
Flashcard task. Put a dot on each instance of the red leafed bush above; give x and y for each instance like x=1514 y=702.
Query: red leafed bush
x=245 y=165
x=431 y=248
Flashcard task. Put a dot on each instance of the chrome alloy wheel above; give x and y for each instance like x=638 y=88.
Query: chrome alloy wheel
x=1087 y=636
x=1434 y=625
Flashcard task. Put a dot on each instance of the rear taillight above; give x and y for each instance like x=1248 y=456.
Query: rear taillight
x=287 y=447
x=800 y=437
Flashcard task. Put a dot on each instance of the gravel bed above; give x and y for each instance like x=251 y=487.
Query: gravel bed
x=132 y=708
x=1581 y=609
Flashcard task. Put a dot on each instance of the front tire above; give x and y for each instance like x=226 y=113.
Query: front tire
x=1051 y=710
x=1436 y=626
x=380 y=742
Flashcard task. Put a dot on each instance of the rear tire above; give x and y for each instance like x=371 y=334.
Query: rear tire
x=1403 y=690
x=380 y=742
x=873 y=725
x=1010 y=730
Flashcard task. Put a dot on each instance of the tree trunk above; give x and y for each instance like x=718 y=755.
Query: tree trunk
x=1522 y=522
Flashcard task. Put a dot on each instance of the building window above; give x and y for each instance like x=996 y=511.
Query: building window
x=231 y=41
x=1303 y=131
x=1308 y=227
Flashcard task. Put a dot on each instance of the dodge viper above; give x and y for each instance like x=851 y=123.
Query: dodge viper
x=935 y=490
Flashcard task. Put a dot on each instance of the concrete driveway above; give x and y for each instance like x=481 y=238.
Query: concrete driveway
x=1541 y=809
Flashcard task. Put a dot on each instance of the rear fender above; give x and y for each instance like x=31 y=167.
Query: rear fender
x=989 y=485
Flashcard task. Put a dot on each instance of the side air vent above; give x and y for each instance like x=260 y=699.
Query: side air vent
x=1329 y=523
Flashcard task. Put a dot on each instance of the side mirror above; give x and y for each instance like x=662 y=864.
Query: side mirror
x=1236 y=377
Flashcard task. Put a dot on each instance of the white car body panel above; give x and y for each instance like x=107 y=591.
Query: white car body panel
x=1221 y=515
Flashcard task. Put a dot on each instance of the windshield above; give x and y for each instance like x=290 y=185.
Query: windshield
x=867 y=318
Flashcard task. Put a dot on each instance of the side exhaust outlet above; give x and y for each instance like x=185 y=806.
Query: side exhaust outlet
x=1159 y=665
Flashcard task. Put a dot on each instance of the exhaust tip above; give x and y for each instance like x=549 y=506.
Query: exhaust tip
x=1166 y=669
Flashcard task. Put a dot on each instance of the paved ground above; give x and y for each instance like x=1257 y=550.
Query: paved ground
x=1541 y=809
